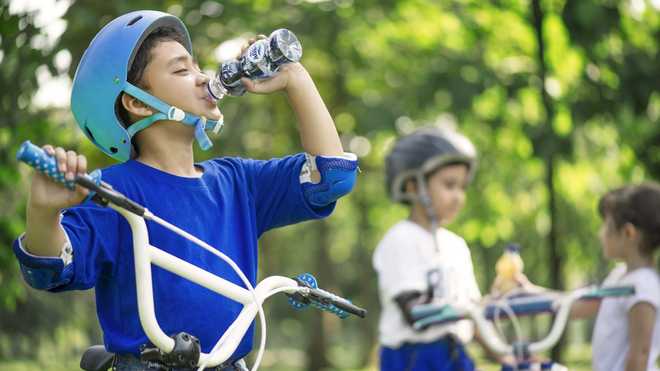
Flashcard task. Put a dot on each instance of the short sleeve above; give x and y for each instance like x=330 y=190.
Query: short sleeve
x=647 y=288
x=278 y=194
x=398 y=266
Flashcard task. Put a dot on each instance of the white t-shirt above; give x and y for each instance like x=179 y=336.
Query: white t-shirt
x=610 y=338
x=407 y=259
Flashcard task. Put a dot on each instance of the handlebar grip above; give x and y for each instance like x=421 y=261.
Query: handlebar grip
x=425 y=310
x=328 y=298
x=610 y=291
x=322 y=299
x=429 y=314
x=44 y=163
x=350 y=307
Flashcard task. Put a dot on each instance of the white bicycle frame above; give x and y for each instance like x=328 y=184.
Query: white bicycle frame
x=560 y=304
x=494 y=341
x=147 y=254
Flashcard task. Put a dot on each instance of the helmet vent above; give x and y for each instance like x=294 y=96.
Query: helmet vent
x=89 y=133
x=134 y=20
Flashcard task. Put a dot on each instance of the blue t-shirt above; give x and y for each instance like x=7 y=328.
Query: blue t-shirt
x=230 y=206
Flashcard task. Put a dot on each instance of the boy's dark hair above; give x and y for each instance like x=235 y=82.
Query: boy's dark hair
x=140 y=61
x=638 y=205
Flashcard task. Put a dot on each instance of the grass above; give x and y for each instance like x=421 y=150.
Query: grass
x=577 y=358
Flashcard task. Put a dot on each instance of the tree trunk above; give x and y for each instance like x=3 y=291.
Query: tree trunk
x=547 y=149
x=316 y=347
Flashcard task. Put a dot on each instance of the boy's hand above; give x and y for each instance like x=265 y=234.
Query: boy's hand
x=48 y=196
x=287 y=77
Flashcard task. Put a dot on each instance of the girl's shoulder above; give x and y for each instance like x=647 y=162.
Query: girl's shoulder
x=621 y=275
x=647 y=286
x=647 y=275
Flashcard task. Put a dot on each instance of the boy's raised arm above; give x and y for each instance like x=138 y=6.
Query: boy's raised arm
x=317 y=129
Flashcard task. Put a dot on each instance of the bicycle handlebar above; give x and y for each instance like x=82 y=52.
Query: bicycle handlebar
x=44 y=163
x=321 y=299
x=430 y=314
x=426 y=315
x=100 y=192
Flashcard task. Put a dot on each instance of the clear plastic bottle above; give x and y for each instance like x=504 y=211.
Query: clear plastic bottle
x=262 y=59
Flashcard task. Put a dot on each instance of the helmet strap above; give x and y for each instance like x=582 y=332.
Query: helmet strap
x=144 y=123
x=168 y=112
x=200 y=134
x=425 y=199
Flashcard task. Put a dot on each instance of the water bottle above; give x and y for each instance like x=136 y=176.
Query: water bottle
x=260 y=60
x=508 y=267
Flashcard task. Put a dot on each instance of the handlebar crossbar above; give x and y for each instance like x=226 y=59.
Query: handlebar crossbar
x=426 y=315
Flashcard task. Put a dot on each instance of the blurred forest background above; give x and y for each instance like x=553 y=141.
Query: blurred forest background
x=560 y=97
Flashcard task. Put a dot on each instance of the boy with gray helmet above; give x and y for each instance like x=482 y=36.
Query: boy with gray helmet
x=419 y=261
x=139 y=96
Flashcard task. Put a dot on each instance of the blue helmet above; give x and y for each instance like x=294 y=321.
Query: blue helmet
x=102 y=76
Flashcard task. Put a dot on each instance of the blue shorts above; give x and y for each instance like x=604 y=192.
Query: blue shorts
x=124 y=362
x=445 y=354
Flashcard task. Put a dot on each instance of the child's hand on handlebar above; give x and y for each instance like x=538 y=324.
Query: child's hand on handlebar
x=46 y=194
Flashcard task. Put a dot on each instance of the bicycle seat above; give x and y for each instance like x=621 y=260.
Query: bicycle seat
x=96 y=358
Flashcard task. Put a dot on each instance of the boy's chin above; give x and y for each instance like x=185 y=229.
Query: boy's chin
x=214 y=115
x=447 y=219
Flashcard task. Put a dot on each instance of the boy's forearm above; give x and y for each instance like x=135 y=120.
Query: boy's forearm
x=317 y=129
x=43 y=233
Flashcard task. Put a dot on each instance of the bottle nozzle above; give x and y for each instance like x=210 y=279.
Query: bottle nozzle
x=513 y=247
x=215 y=91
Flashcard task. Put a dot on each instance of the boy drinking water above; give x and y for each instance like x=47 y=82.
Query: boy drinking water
x=140 y=97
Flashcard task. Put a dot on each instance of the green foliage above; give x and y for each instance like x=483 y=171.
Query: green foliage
x=383 y=68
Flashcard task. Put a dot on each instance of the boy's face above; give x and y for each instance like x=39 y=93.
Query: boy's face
x=172 y=76
x=446 y=188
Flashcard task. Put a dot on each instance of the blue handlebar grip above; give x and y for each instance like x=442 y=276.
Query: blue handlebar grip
x=43 y=162
x=610 y=291
x=311 y=282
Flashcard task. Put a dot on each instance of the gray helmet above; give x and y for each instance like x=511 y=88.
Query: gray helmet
x=420 y=153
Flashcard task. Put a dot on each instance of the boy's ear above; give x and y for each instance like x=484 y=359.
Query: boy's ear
x=410 y=187
x=135 y=107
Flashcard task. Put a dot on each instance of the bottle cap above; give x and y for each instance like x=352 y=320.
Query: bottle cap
x=513 y=247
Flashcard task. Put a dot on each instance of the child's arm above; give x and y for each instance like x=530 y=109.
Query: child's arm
x=585 y=309
x=43 y=234
x=641 y=320
x=317 y=129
